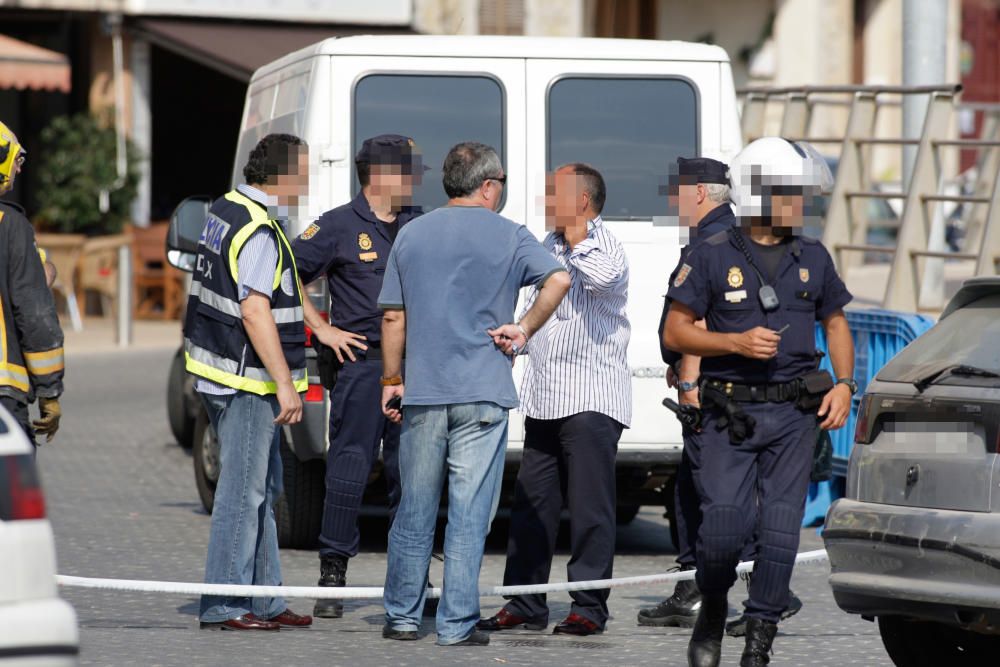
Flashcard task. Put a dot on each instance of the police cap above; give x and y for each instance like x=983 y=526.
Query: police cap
x=702 y=170
x=391 y=149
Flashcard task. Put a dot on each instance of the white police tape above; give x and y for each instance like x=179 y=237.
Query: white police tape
x=371 y=592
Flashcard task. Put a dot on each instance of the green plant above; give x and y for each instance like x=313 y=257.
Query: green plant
x=76 y=163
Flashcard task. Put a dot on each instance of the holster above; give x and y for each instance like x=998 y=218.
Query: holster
x=822 y=468
x=734 y=418
x=813 y=386
x=328 y=364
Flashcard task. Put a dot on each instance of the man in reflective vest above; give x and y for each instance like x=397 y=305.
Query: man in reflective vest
x=244 y=339
x=31 y=340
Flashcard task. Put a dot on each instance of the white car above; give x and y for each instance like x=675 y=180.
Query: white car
x=37 y=627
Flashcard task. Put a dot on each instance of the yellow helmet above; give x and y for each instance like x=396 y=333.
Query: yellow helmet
x=10 y=150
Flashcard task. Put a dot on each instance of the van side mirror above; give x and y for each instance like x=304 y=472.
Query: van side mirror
x=186 y=225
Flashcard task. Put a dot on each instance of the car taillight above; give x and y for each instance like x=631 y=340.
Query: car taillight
x=314 y=394
x=861 y=432
x=20 y=494
x=309 y=331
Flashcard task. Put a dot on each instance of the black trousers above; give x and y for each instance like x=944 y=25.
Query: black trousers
x=572 y=460
x=19 y=411
x=357 y=429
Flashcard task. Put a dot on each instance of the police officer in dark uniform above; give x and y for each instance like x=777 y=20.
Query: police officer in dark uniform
x=699 y=196
x=760 y=288
x=699 y=192
x=350 y=245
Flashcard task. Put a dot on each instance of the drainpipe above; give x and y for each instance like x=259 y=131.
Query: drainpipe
x=123 y=329
x=925 y=33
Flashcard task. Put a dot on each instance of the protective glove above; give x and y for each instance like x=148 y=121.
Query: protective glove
x=48 y=422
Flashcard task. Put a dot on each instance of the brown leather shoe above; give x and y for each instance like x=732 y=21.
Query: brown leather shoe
x=577 y=625
x=504 y=620
x=289 y=619
x=244 y=622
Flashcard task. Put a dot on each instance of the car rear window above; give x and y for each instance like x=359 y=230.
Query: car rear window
x=437 y=112
x=967 y=336
x=631 y=129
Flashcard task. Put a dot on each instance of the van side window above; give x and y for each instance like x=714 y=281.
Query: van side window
x=630 y=129
x=436 y=111
x=274 y=106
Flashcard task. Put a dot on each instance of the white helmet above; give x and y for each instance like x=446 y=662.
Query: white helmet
x=771 y=163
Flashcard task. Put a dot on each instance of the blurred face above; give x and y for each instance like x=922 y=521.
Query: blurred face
x=566 y=201
x=788 y=210
x=290 y=187
x=393 y=181
x=689 y=197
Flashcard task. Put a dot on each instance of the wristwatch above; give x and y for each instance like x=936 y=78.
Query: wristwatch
x=851 y=384
x=686 y=386
x=391 y=382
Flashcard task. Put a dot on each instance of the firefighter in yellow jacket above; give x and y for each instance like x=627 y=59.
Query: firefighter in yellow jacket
x=31 y=340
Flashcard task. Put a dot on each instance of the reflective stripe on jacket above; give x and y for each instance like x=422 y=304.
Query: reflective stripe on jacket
x=216 y=344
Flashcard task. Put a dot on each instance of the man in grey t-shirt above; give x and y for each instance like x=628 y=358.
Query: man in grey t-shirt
x=449 y=295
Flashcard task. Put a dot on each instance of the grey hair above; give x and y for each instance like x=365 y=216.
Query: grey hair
x=718 y=192
x=467 y=165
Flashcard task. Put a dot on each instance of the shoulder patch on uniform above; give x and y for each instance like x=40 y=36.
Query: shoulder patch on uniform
x=682 y=275
x=310 y=232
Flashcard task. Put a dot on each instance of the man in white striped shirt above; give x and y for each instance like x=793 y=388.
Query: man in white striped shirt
x=577 y=396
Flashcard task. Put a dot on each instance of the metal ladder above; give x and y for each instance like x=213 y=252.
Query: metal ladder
x=846 y=225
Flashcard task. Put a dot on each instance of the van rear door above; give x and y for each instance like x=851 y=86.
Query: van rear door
x=630 y=120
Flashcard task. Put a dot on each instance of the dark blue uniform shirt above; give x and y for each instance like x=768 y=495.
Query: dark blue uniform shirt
x=351 y=247
x=717 y=220
x=717 y=283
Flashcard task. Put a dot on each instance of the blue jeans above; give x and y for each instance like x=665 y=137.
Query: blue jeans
x=467 y=441
x=243 y=544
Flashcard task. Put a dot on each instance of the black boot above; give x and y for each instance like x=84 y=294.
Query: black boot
x=738 y=628
x=680 y=610
x=760 y=635
x=332 y=572
x=705 y=648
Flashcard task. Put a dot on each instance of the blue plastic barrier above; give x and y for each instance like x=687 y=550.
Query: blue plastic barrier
x=878 y=336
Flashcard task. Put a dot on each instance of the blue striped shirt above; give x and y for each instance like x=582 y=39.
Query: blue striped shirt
x=578 y=361
x=256 y=264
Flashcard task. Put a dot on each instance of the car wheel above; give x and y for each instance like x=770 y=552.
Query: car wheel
x=299 y=510
x=207 y=464
x=181 y=421
x=912 y=643
x=624 y=514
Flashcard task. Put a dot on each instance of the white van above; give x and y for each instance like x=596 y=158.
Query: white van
x=628 y=107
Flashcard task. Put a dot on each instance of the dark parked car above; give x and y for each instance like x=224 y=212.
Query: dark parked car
x=916 y=541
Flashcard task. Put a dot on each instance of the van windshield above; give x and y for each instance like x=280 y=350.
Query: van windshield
x=631 y=129
x=437 y=112
x=968 y=336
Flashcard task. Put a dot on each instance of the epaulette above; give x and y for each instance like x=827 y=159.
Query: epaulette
x=718 y=238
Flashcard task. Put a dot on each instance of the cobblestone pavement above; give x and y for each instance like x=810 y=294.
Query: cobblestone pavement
x=123 y=504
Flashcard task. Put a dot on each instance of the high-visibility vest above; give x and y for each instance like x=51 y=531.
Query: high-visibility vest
x=216 y=345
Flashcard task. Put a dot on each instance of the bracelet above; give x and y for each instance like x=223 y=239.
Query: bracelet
x=523 y=332
x=391 y=382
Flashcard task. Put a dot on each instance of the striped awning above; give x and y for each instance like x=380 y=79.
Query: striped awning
x=25 y=66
